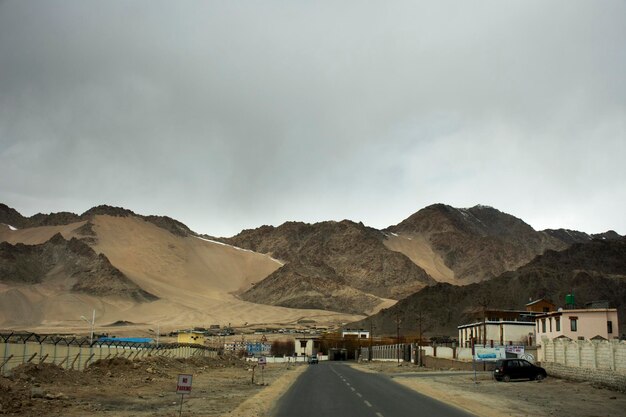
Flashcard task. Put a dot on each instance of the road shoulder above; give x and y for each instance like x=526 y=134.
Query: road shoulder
x=261 y=404
x=489 y=398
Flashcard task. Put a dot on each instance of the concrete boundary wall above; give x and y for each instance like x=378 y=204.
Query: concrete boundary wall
x=390 y=352
x=287 y=359
x=588 y=354
x=602 y=362
x=602 y=377
x=436 y=356
x=79 y=357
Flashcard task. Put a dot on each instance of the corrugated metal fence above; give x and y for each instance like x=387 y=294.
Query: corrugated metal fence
x=75 y=353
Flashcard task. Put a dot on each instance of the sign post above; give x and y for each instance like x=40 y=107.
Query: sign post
x=183 y=387
x=262 y=362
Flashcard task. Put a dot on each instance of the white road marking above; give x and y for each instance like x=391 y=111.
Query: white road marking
x=379 y=415
x=352 y=388
x=367 y=403
x=359 y=394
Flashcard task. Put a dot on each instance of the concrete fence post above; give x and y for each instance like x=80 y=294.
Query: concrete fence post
x=4 y=357
x=580 y=354
x=594 y=356
x=67 y=356
x=612 y=349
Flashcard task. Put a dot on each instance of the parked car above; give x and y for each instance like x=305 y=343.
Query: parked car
x=508 y=369
x=313 y=360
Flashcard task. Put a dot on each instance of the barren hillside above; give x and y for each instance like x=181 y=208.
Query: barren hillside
x=331 y=263
x=462 y=246
x=593 y=271
x=193 y=278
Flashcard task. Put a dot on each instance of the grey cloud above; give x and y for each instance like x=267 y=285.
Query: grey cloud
x=234 y=114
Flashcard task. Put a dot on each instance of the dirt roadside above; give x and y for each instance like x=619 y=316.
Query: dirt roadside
x=119 y=387
x=552 y=397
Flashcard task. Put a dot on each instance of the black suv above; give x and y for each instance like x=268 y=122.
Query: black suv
x=508 y=369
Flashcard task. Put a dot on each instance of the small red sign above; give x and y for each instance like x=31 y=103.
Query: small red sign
x=184 y=384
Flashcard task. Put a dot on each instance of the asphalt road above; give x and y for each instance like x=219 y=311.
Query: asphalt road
x=336 y=389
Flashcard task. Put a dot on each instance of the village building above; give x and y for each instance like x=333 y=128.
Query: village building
x=191 y=337
x=578 y=324
x=358 y=334
x=498 y=327
x=307 y=345
x=541 y=305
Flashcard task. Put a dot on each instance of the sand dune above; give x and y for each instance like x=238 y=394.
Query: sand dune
x=417 y=248
x=37 y=235
x=195 y=279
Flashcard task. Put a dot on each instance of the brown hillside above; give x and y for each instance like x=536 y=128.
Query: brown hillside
x=84 y=270
x=345 y=253
x=593 y=271
x=462 y=246
x=194 y=279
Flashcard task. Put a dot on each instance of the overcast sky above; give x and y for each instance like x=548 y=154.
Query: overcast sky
x=229 y=114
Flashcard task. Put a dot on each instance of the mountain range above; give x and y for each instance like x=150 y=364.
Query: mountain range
x=155 y=269
x=592 y=271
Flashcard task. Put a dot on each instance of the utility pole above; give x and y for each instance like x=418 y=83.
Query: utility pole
x=398 y=336
x=91 y=324
x=419 y=342
x=371 y=353
x=484 y=326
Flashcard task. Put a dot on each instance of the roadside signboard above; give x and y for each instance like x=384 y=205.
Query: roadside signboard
x=184 y=384
x=262 y=362
x=183 y=387
x=489 y=354
x=518 y=350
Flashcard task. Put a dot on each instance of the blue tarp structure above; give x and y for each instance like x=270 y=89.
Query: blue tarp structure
x=125 y=339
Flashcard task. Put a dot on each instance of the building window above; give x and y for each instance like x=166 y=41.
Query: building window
x=543 y=325
x=573 y=324
x=303 y=344
x=557 y=322
x=609 y=326
x=550 y=324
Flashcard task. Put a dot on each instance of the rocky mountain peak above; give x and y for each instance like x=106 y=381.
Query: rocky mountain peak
x=109 y=211
x=476 y=243
x=11 y=217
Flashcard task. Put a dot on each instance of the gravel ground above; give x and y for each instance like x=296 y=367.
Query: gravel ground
x=119 y=387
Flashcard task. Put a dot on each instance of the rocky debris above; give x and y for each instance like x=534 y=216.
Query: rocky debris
x=93 y=273
x=42 y=373
x=88 y=235
x=47 y=389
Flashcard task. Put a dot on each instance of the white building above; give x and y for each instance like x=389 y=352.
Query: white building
x=499 y=327
x=307 y=345
x=359 y=334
